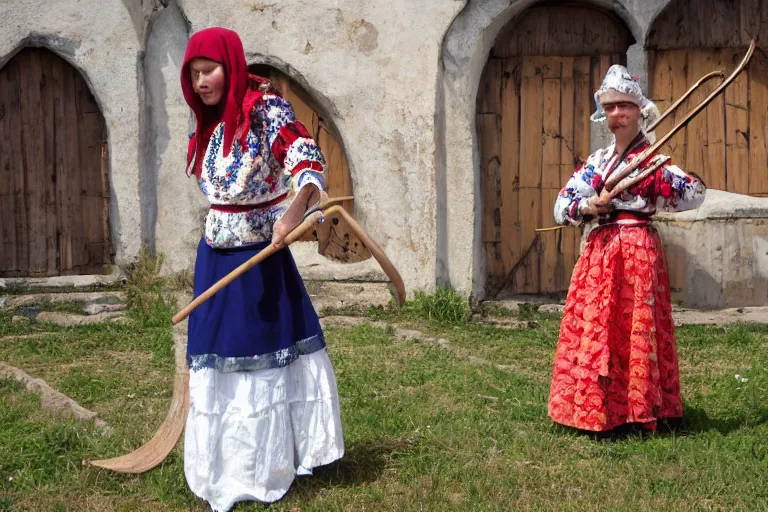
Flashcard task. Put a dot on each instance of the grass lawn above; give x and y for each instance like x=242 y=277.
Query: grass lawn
x=427 y=428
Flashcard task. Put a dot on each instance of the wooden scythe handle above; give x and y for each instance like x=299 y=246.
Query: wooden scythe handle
x=553 y=228
x=309 y=221
x=681 y=99
x=631 y=182
x=294 y=235
x=616 y=177
x=157 y=449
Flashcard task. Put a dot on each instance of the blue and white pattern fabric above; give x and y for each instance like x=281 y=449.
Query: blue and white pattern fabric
x=254 y=175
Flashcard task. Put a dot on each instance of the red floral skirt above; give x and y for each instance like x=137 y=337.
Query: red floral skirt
x=616 y=359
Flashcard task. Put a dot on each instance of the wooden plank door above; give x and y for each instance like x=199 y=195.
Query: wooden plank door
x=54 y=194
x=534 y=128
x=726 y=143
x=533 y=108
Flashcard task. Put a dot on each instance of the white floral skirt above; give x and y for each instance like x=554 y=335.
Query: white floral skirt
x=248 y=434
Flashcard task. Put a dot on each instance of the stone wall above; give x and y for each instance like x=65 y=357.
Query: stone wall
x=373 y=66
x=718 y=254
x=732 y=277
x=398 y=81
x=178 y=208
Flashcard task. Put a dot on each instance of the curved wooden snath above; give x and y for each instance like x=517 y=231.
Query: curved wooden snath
x=294 y=235
x=386 y=265
x=681 y=99
x=617 y=183
x=155 y=451
x=616 y=177
x=322 y=211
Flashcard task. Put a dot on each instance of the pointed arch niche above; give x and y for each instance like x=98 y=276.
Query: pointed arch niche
x=726 y=144
x=309 y=113
x=54 y=190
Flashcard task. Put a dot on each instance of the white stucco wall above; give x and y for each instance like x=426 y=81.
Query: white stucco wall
x=373 y=66
x=398 y=81
x=179 y=207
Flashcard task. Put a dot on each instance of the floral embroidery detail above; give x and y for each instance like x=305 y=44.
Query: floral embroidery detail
x=256 y=175
x=618 y=79
x=668 y=189
x=278 y=113
x=230 y=229
x=301 y=150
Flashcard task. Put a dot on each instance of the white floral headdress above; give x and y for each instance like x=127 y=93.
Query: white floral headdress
x=619 y=79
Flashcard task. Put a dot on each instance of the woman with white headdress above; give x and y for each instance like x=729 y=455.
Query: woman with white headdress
x=616 y=358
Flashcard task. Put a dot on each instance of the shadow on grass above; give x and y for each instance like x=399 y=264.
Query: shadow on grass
x=695 y=421
x=623 y=432
x=362 y=463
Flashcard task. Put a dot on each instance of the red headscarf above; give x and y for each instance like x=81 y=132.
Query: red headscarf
x=223 y=46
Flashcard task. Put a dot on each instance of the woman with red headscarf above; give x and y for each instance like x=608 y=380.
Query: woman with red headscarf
x=264 y=404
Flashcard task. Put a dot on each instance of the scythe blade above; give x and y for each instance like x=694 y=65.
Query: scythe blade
x=155 y=451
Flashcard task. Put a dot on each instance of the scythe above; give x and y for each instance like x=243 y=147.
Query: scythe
x=620 y=181
x=354 y=241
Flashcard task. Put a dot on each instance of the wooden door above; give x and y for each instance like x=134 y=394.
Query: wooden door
x=726 y=144
x=533 y=109
x=338 y=179
x=54 y=194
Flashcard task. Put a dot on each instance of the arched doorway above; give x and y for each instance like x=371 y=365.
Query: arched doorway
x=338 y=180
x=533 y=109
x=727 y=144
x=54 y=192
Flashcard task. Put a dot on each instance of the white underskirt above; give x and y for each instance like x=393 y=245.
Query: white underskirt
x=248 y=434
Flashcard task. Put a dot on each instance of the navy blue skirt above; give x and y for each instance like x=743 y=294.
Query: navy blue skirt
x=263 y=319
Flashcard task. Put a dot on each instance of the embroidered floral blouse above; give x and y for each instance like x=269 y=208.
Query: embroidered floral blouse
x=279 y=159
x=668 y=189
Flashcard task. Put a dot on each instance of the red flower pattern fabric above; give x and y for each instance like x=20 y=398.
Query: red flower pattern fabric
x=616 y=358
